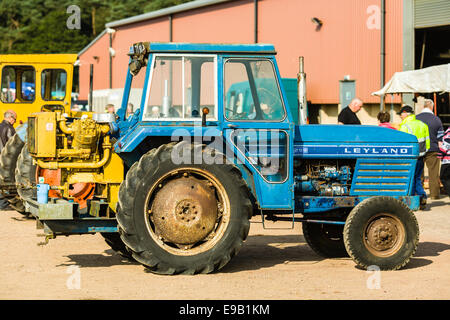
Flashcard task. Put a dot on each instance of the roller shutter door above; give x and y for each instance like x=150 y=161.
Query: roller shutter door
x=431 y=13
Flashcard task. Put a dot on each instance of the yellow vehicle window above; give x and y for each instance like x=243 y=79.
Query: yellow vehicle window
x=8 y=93
x=18 y=84
x=53 y=84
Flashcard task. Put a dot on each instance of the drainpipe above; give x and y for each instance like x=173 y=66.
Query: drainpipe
x=170 y=82
x=91 y=86
x=111 y=54
x=170 y=28
x=256 y=21
x=110 y=61
x=383 y=50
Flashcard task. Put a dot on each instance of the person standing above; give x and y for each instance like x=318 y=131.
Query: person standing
x=444 y=155
x=6 y=127
x=431 y=160
x=416 y=127
x=384 y=120
x=348 y=114
x=6 y=132
x=110 y=108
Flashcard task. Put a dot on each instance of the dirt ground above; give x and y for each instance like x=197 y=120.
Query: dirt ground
x=273 y=264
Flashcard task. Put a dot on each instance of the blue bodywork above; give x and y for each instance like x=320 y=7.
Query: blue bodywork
x=382 y=161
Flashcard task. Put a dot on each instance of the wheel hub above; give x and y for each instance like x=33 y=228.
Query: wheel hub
x=184 y=210
x=384 y=236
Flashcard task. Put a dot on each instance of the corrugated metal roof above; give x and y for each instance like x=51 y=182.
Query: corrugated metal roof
x=164 y=12
x=431 y=13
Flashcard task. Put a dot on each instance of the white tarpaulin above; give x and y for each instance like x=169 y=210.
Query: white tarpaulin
x=431 y=79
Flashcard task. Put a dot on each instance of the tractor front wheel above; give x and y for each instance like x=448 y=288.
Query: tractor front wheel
x=382 y=232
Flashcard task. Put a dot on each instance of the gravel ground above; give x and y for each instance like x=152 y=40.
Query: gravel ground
x=273 y=264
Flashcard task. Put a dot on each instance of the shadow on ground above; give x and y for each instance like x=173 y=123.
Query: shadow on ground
x=258 y=252
x=261 y=252
x=23 y=217
x=426 y=249
x=431 y=249
x=109 y=258
x=435 y=204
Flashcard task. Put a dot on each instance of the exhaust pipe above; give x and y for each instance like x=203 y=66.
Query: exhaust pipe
x=301 y=92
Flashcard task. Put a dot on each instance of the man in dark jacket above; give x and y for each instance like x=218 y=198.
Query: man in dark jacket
x=6 y=132
x=431 y=160
x=348 y=114
x=6 y=127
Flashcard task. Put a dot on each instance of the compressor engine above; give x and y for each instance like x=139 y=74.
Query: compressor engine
x=73 y=155
x=323 y=178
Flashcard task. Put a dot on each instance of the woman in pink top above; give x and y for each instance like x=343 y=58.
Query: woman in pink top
x=383 y=120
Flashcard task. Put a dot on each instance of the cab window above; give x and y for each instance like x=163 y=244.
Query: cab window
x=181 y=86
x=251 y=91
x=53 y=82
x=18 y=84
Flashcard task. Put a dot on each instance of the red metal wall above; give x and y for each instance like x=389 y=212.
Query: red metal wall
x=347 y=44
x=343 y=46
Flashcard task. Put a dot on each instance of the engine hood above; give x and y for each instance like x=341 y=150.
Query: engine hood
x=353 y=141
x=351 y=133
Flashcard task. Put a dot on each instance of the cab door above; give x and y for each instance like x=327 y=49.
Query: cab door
x=256 y=126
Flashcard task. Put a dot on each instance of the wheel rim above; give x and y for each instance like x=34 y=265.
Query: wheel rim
x=384 y=235
x=187 y=211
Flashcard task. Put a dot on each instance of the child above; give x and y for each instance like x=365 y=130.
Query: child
x=383 y=120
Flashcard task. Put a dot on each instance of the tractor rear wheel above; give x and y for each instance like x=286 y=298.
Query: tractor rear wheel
x=8 y=160
x=325 y=239
x=383 y=232
x=183 y=218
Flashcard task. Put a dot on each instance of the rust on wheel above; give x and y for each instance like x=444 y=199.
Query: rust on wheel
x=384 y=235
x=187 y=211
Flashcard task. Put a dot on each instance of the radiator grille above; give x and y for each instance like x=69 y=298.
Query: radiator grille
x=382 y=177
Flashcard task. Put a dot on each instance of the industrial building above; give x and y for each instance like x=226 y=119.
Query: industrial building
x=350 y=47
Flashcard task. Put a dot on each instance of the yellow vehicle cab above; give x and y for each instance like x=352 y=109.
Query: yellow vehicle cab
x=33 y=82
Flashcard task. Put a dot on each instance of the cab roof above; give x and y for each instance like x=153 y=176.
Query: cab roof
x=38 y=58
x=173 y=47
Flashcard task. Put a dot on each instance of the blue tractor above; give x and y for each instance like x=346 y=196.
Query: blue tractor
x=212 y=143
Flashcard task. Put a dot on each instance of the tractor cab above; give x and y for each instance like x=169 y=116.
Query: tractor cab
x=235 y=88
